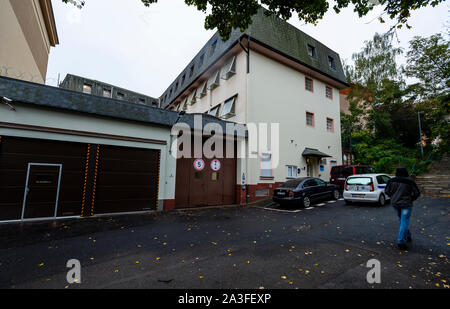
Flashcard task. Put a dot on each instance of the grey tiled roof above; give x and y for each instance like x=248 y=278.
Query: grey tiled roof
x=272 y=32
x=52 y=97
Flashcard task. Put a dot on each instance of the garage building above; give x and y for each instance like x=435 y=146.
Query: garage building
x=69 y=154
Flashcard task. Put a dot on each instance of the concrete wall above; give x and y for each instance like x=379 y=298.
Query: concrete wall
x=51 y=118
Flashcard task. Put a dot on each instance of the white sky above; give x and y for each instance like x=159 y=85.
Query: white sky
x=144 y=49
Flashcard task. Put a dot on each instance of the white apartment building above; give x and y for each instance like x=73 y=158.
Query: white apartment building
x=271 y=73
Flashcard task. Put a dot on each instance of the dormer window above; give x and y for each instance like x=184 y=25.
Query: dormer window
x=312 y=51
x=212 y=49
x=202 y=59
x=191 y=71
x=183 y=79
x=331 y=63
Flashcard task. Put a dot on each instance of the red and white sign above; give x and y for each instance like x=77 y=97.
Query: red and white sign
x=199 y=164
x=216 y=165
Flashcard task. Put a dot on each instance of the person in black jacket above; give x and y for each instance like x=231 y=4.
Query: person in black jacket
x=403 y=191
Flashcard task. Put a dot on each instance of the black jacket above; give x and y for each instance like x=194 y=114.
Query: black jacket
x=403 y=191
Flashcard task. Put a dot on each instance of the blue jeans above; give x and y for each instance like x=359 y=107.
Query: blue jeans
x=403 y=216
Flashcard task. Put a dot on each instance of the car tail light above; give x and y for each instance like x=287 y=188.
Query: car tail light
x=372 y=187
x=291 y=193
x=346 y=187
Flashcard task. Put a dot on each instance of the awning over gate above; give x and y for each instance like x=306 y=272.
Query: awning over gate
x=310 y=152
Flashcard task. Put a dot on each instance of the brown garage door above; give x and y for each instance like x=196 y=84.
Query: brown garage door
x=15 y=156
x=208 y=187
x=127 y=180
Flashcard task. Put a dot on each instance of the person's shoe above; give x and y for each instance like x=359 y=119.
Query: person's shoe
x=402 y=247
x=409 y=239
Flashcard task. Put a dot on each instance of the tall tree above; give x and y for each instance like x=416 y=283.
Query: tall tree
x=237 y=14
x=428 y=61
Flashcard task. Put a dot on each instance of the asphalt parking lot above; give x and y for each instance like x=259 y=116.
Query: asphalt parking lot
x=326 y=246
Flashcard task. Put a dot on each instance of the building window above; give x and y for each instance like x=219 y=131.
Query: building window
x=323 y=161
x=214 y=111
x=120 y=96
x=202 y=90
x=312 y=51
x=192 y=71
x=292 y=171
x=192 y=97
x=329 y=92
x=331 y=63
x=333 y=163
x=154 y=104
x=176 y=87
x=309 y=84
x=183 y=79
x=202 y=59
x=87 y=88
x=141 y=100
x=212 y=49
x=106 y=93
x=230 y=69
x=214 y=81
x=228 y=109
x=330 y=125
x=309 y=119
x=266 y=165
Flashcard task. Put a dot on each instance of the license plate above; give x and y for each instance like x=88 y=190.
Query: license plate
x=281 y=193
x=358 y=195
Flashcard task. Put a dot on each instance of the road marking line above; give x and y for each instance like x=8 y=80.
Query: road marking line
x=309 y=208
x=331 y=202
x=320 y=205
x=341 y=199
x=279 y=210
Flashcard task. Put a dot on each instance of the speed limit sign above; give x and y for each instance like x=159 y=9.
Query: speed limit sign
x=199 y=164
x=215 y=165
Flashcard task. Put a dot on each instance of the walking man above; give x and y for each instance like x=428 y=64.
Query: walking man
x=403 y=191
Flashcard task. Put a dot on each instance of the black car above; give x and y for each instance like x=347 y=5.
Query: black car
x=305 y=191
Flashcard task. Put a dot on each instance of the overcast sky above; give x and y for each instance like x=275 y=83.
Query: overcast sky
x=144 y=49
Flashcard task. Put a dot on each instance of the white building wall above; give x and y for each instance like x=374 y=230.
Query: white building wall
x=277 y=94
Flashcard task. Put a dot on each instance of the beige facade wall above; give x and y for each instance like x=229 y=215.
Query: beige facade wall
x=50 y=118
x=277 y=94
x=25 y=42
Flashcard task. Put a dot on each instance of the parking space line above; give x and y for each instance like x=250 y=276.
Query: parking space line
x=320 y=205
x=309 y=208
x=279 y=210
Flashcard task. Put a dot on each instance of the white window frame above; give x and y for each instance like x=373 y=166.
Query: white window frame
x=290 y=169
x=202 y=91
x=192 y=97
x=231 y=113
x=214 y=81
x=230 y=69
x=217 y=108
x=263 y=169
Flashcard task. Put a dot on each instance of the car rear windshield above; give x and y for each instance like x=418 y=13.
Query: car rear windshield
x=342 y=170
x=364 y=181
x=292 y=183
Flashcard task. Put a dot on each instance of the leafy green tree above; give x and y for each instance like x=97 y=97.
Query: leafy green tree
x=237 y=14
x=428 y=61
